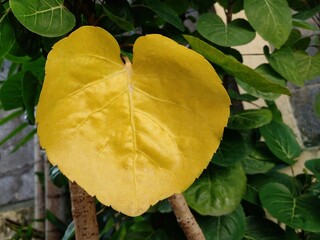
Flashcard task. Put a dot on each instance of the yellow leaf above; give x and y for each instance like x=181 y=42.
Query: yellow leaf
x=130 y=134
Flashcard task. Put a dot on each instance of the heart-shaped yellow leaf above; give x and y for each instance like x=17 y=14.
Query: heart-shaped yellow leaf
x=130 y=134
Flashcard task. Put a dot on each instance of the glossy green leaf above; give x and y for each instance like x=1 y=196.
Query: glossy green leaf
x=29 y=94
x=69 y=233
x=270 y=18
x=304 y=15
x=259 y=228
x=241 y=97
x=304 y=25
x=313 y=165
x=7 y=35
x=165 y=12
x=48 y=18
x=281 y=141
x=237 y=32
x=232 y=149
x=57 y=177
x=308 y=66
x=120 y=21
x=297 y=212
x=296 y=67
x=254 y=185
x=218 y=191
x=11 y=92
x=36 y=67
x=253 y=164
x=266 y=71
x=227 y=227
x=235 y=68
x=248 y=119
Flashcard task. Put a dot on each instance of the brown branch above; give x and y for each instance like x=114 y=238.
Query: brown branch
x=185 y=218
x=84 y=213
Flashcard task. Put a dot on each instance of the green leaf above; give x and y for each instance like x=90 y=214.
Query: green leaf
x=259 y=228
x=36 y=67
x=237 y=32
x=7 y=36
x=55 y=220
x=48 y=18
x=241 y=97
x=304 y=15
x=297 y=212
x=69 y=233
x=304 y=25
x=237 y=5
x=232 y=149
x=29 y=95
x=254 y=184
x=227 y=227
x=248 y=119
x=270 y=18
x=57 y=177
x=284 y=62
x=119 y=20
x=235 y=68
x=308 y=66
x=165 y=12
x=281 y=141
x=218 y=191
x=266 y=71
x=313 y=165
x=255 y=163
x=11 y=92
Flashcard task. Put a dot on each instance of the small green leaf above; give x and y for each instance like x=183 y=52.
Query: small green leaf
x=165 y=12
x=249 y=119
x=235 y=68
x=259 y=228
x=304 y=15
x=120 y=21
x=313 y=165
x=29 y=94
x=232 y=149
x=218 y=191
x=57 y=177
x=281 y=141
x=241 y=97
x=48 y=18
x=297 y=212
x=304 y=25
x=69 y=233
x=7 y=35
x=254 y=165
x=283 y=61
x=270 y=18
x=266 y=71
x=308 y=66
x=36 y=67
x=11 y=92
x=226 y=227
x=237 y=32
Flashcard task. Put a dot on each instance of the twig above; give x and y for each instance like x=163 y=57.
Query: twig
x=84 y=213
x=185 y=218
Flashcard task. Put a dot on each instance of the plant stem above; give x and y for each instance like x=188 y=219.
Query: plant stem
x=185 y=218
x=84 y=213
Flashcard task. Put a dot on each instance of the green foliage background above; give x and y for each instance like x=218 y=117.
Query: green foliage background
x=242 y=182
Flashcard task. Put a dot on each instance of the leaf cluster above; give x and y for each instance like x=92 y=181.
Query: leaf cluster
x=243 y=181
